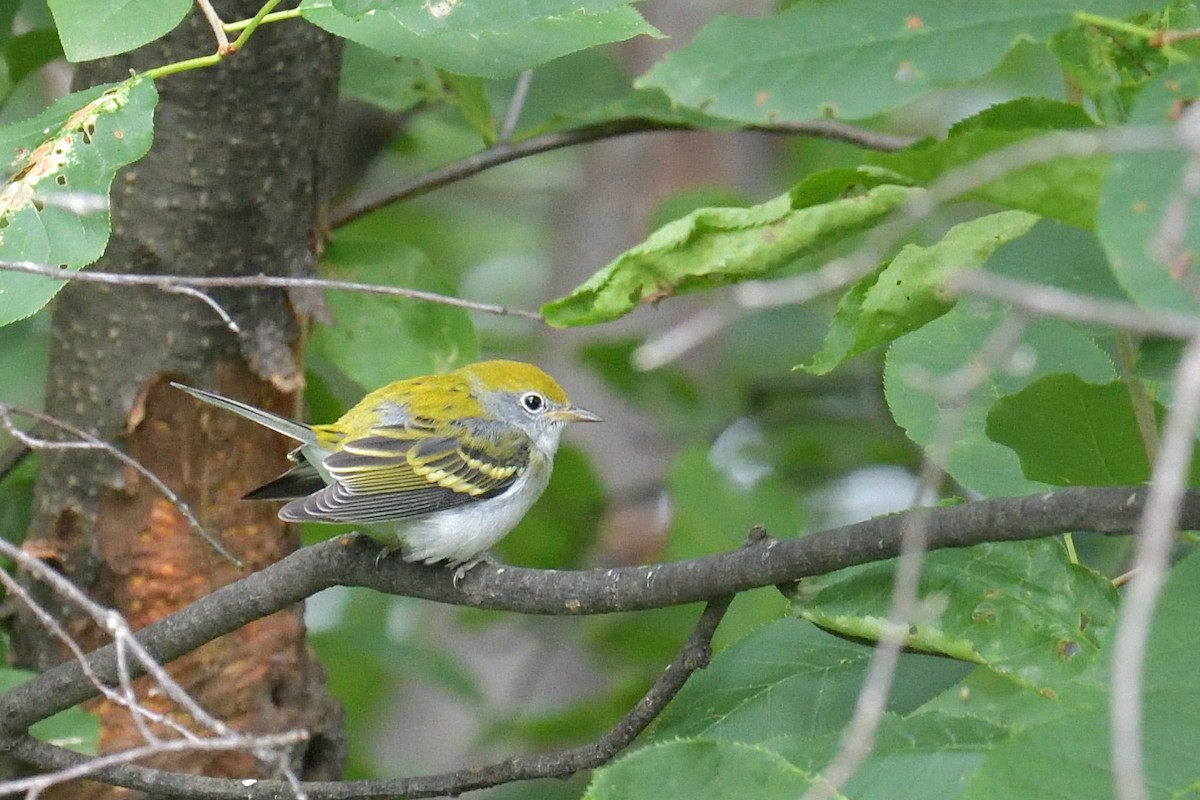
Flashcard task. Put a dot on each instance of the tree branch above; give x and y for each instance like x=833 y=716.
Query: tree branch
x=350 y=561
x=504 y=152
x=694 y=655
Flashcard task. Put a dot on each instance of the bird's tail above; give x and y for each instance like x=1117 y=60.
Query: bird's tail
x=290 y=428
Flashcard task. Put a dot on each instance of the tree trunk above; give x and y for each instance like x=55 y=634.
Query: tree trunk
x=232 y=186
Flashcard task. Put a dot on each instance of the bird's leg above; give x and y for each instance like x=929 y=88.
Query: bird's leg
x=466 y=566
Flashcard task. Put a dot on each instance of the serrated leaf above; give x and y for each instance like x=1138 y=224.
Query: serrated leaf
x=418 y=337
x=1020 y=608
x=951 y=342
x=1065 y=189
x=929 y=754
x=393 y=84
x=717 y=246
x=1071 y=433
x=790 y=679
x=99 y=28
x=1069 y=757
x=1134 y=200
x=909 y=292
x=793 y=66
x=699 y=770
x=481 y=38
x=54 y=210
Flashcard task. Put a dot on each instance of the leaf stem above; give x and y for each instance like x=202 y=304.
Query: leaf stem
x=247 y=28
x=275 y=16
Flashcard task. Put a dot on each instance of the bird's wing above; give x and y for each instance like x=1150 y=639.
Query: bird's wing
x=400 y=471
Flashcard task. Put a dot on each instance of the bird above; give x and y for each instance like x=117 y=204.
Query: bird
x=439 y=467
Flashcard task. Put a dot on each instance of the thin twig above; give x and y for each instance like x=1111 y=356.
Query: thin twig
x=86 y=441
x=952 y=390
x=503 y=152
x=1051 y=301
x=218 y=309
x=694 y=655
x=123 y=698
x=126 y=644
x=516 y=105
x=75 y=765
x=217 y=25
x=1160 y=523
x=172 y=282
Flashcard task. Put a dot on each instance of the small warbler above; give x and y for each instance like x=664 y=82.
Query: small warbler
x=452 y=461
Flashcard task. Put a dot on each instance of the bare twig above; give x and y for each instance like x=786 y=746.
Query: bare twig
x=694 y=655
x=1160 y=523
x=953 y=390
x=173 y=282
x=86 y=441
x=218 y=309
x=503 y=152
x=1051 y=301
x=516 y=105
x=217 y=25
x=74 y=765
x=124 y=643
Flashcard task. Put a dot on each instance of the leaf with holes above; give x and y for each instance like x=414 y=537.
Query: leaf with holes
x=54 y=208
x=1020 y=608
x=713 y=247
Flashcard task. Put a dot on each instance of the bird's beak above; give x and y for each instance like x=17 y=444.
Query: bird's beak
x=577 y=414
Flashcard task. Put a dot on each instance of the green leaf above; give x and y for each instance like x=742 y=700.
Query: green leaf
x=29 y=52
x=699 y=770
x=794 y=65
x=393 y=84
x=74 y=729
x=1068 y=756
x=417 y=337
x=930 y=755
x=470 y=97
x=790 y=679
x=482 y=38
x=1133 y=201
x=1065 y=189
x=717 y=246
x=68 y=153
x=1071 y=433
x=99 y=28
x=952 y=342
x=1064 y=256
x=1021 y=608
x=908 y=292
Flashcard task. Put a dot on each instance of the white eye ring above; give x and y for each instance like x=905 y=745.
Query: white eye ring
x=533 y=402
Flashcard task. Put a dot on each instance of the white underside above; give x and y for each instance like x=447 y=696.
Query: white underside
x=462 y=534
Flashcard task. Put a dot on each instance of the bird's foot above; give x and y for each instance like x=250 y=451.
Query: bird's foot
x=465 y=567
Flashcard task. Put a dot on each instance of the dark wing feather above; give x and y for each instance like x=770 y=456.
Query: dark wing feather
x=404 y=471
x=299 y=481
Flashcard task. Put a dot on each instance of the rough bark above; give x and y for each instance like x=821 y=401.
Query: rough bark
x=232 y=186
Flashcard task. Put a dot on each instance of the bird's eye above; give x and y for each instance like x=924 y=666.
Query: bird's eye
x=533 y=402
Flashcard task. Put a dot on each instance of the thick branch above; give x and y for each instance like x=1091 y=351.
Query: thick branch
x=350 y=561
x=694 y=655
